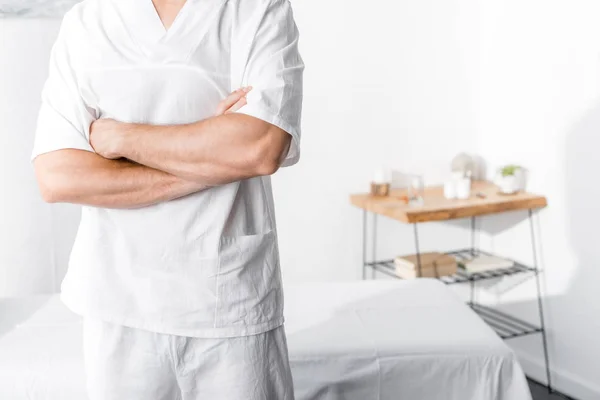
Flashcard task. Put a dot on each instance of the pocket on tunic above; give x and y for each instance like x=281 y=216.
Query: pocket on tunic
x=248 y=279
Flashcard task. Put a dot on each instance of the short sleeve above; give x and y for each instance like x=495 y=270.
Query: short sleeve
x=274 y=69
x=63 y=119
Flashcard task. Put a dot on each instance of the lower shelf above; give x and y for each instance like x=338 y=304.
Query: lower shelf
x=506 y=326
x=388 y=267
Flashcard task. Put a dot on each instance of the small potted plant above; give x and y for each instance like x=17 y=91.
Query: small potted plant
x=509 y=179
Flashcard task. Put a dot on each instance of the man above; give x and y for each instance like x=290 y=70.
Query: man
x=175 y=267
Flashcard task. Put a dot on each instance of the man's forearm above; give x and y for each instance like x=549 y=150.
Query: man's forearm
x=80 y=177
x=215 y=151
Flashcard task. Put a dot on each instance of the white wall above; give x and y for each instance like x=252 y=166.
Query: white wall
x=389 y=83
x=408 y=84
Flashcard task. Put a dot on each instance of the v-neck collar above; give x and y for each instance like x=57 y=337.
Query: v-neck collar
x=141 y=19
x=150 y=22
x=161 y=28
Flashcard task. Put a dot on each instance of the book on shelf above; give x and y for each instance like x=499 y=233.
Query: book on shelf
x=428 y=260
x=485 y=263
x=429 y=272
x=432 y=265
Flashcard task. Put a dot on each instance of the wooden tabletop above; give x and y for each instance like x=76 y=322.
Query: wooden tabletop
x=437 y=208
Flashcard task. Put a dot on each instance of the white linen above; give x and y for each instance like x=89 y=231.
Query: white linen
x=205 y=265
x=40 y=350
x=351 y=341
x=395 y=340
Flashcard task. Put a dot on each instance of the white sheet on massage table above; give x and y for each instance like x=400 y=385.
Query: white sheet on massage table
x=353 y=341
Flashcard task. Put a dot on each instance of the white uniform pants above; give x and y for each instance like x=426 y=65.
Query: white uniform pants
x=131 y=364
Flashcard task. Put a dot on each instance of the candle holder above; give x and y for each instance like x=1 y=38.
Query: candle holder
x=380 y=189
x=381 y=182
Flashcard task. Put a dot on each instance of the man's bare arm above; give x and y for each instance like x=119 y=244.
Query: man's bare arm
x=81 y=177
x=214 y=151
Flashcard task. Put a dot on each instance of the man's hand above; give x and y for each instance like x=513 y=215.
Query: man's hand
x=233 y=102
x=106 y=134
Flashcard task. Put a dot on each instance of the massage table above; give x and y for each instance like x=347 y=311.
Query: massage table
x=412 y=340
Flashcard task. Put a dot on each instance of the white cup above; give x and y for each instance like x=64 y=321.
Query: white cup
x=463 y=188
x=450 y=190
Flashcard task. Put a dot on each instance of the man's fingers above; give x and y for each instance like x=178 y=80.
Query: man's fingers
x=232 y=100
x=229 y=101
x=241 y=103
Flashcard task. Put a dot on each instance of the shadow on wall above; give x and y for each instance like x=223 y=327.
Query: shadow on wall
x=583 y=218
x=583 y=206
x=576 y=311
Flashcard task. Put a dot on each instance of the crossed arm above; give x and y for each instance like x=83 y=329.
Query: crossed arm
x=138 y=165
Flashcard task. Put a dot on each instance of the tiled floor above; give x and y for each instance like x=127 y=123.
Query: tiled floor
x=541 y=393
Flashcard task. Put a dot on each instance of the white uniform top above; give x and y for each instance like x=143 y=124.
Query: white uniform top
x=206 y=265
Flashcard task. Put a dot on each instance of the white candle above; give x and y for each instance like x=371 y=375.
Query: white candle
x=382 y=175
